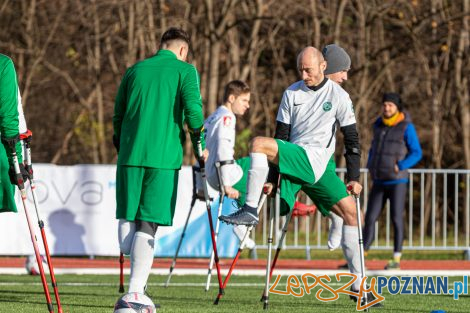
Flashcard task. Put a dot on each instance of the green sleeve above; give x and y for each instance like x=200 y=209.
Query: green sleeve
x=120 y=106
x=192 y=101
x=9 y=125
x=192 y=104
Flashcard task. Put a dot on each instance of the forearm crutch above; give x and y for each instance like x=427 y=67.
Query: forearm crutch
x=218 y=166
x=19 y=178
x=278 y=251
x=201 y=160
x=268 y=263
x=361 y=241
x=193 y=202
x=240 y=249
x=27 y=137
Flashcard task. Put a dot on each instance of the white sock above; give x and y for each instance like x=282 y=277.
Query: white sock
x=335 y=234
x=256 y=178
x=126 y=231
x=350 y=243
x=240 y=231
x=141 y=261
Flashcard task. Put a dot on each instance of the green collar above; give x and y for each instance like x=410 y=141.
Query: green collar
x=168 y=53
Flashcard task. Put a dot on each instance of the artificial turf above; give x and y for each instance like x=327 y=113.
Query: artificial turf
x=98 y=293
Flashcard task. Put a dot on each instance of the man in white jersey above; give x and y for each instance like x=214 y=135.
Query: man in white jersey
x=338 y=64
x=220 y=140
x=303 y=151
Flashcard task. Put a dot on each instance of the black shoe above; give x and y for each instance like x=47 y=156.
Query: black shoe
x=240 y=217
x=343 y=266
x=370 y=298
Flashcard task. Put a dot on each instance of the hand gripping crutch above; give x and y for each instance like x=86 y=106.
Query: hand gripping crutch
x=361 y=241
x=218 y=166
x=27 y=137
x=278 y=250
x=201 y=160
x=240 y=249
x=195 y=169
x=19 y=178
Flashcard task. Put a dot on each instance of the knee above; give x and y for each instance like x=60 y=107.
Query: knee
x=397 y=223
x=347 y=206
x=126 y=232
x=146 y=227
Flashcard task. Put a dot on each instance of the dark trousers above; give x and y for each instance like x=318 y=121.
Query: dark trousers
x=377 y=198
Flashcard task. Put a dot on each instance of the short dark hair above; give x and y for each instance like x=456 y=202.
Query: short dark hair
x=236 y=88
x=174 y=33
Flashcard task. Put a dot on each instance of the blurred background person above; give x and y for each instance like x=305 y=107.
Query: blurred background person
x=395 y=148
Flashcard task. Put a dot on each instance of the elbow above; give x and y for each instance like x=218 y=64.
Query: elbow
x=420 y=154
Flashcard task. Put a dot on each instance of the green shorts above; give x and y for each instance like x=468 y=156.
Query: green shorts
x=297 y=174
x=146 y=194
x=241 y=184
x=7 y=190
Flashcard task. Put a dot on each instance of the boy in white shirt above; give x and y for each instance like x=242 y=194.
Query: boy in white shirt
x=220 y=141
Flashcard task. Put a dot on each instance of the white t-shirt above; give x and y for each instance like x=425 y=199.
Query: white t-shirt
x=220 y=141
x=313 y=116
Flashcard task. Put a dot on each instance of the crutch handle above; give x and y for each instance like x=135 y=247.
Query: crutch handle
x=27 y=136
x=11 y=143
x=350 y=189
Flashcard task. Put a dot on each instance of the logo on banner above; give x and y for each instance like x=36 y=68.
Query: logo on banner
x=414 y=285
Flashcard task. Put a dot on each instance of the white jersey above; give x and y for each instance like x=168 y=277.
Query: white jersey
x=312 y=116
x=220 y=141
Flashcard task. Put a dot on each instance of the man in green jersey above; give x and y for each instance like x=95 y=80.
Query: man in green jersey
x=155 y=97
x=9 y=129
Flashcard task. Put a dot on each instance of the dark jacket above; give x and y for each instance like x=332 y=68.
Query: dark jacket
x=399 y=145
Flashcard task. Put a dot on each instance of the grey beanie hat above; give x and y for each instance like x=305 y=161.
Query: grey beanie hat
x=337 y=59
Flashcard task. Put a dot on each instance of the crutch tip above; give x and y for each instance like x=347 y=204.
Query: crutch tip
x=121 y=288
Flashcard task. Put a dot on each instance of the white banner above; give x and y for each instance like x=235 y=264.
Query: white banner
x=77 y=204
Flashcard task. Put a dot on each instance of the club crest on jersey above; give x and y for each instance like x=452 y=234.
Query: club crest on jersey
x=227 y=120
x=327 y=106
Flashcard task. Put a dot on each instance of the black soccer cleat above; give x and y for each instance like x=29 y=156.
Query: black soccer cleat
x=240 y=217
x=370 y=298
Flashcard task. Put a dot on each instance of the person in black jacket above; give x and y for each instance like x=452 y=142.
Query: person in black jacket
x=395 y=148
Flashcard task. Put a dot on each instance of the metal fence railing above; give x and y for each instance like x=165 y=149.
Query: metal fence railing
x=437 y=216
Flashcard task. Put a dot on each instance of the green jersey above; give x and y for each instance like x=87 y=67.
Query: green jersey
x=9 y=104
x=8 y=129
x=155 y=96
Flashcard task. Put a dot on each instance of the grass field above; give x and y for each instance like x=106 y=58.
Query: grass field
x=98 y=293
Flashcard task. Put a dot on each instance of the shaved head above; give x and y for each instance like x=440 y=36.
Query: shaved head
x=311 y=65
x=310 y=53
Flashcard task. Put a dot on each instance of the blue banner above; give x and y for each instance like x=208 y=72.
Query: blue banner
x=197 y=239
